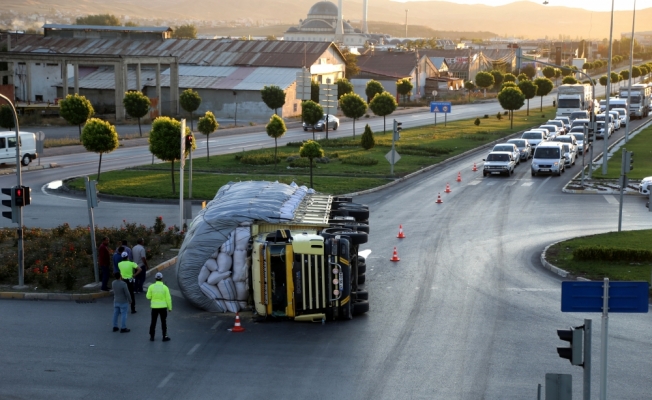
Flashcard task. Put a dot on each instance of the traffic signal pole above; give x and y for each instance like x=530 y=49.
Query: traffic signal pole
x=603 y=339
x=587 y=359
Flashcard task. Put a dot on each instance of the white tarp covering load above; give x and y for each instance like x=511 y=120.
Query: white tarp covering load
x=212 y=265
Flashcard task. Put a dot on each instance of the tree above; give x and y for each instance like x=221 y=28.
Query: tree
x=350 y=63
x=188 y=31
x=511 y=99
x=557 y=74
x=207 y=125
x=603 y=80
x=530 y=71
x=314 y=91
x=190 y=102
x=484 y=80
x=636 y=72
x=275 y=129
x=311 y=113
x=131 y=23
x=99 y=137
x=367 y=141
x=6 y=117
x=522 y=77
x=98 y=19
x=76 y=110
x=271 y=37
x=508 y=84
x=614 y=79
x=382 y=105
x=544 y=86
x=311 y=150
x=404 y=87
x=567 y=70
x=343 y=87
x=373 y=88
x=569 y=80
x=529 y=90
x=509 y=78
x=273 y=96
x=587 y=65
x=469 y=86
x=498 y=78
x=137 y=106
x=645 y=69
x=624 y=74
x=165 y=142
x=548 y=72
x=353 y=106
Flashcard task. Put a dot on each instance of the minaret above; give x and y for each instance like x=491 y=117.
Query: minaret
x=365 y=30
x=339 y=28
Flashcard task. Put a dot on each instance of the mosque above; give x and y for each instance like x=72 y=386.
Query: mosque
x=325 y=23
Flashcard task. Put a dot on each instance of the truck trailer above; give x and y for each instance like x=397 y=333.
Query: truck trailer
x=572 y=98
x=282 y=251
x=639 y=99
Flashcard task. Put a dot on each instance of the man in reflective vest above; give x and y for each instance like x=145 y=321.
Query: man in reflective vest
x=159 y=294
x=128 y=270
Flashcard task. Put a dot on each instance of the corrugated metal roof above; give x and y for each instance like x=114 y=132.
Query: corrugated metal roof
x=108 y=28
x=221 y=52
x=104 y=78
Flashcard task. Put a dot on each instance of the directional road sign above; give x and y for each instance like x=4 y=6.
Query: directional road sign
x=304 y=79
x=440 y=107
x=388 y=156
x=624 y=297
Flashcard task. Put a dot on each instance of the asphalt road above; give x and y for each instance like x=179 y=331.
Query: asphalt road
x=468 y=312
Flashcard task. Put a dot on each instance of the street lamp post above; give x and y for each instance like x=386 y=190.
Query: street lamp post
x=606 y=110
x=406 y=12
x=631 y=65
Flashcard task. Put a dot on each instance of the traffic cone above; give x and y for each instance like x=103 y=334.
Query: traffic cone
x=459 y=177
x=439 y=200
x=400 y=232
x=395 y=256
x=237 y=327
x=448 y=188
x=475 y=169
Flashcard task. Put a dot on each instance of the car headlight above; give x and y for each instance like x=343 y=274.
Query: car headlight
x=556 y=164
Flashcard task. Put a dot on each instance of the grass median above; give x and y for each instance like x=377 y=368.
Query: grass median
x=641 y=145
x=631 y=267
x=350 y=168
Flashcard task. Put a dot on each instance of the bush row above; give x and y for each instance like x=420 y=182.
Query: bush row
x=601 y=253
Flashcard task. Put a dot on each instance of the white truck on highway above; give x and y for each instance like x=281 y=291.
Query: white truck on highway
x=639 y=99
x=572 y=98
x=282 y=251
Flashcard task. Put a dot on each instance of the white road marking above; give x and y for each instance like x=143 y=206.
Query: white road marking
x=491 y=183
x=514 y=289
x=527 y=184
x=165 y=380
x=216 y=325
x=194 y=348
x=611 y=199
x=475 y=182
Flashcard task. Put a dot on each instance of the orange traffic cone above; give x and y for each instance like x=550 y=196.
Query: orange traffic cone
x=459 y=177
x=448 y=188
x=439 y=200
x=237 y=327
x=400 y=232
x=475 y=169
x=395 y=256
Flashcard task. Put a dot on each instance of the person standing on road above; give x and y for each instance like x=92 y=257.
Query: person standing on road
x=129 y=269
x=104 y=261
x=140 y=258
x=159 y=294
x=121 y=301
x=126 y=248
x=117 y=257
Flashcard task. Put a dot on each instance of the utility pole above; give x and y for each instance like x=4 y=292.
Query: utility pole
x=406 y=12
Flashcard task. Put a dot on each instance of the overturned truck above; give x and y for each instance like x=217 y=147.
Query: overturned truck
x=284 y=251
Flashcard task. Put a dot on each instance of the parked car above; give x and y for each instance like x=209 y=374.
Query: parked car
x=499 y=163
x=523 y=146
x=535 y=137
x=579 y=136
x=622 y=114
x=549 y=159
x=511 y=148
x=333 y=124
x=558 y=123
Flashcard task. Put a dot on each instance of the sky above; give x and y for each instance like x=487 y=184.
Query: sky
x=594 y=5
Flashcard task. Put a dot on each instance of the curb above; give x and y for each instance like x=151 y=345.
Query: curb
x=78 y=296
x=8 y=171
x=550 y=267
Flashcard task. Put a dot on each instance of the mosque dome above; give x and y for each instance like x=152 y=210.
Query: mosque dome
x=323 y=8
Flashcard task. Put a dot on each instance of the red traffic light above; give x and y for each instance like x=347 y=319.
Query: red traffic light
x=19 y=192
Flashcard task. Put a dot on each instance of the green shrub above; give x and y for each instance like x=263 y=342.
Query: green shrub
x=357 y=160
x=423 y=151
x=258 y=159
x=367 y=141
x=476 y=122
x=294 y=144
x=333 y=155
x=499 y=116
x=601 y=253
x=300 y=162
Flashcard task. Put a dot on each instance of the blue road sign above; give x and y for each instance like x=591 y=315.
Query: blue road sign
x=440 y=107
x=624 y=297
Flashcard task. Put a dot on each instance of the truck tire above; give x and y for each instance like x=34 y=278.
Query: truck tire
x=356 y=238
x=362 y=268
x=359 y=214
x=360 y=307
x=361 y=279
x=361 y=260
x=354 y=226
x=337 y=204
x=362 y=295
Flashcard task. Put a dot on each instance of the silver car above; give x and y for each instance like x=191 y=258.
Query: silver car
x=523 y=146
x=333 y=124
x=579 y=136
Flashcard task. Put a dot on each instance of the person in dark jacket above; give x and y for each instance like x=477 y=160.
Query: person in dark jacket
x=121 y=300
x=104 y=262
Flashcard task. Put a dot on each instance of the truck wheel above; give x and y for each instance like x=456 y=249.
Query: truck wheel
x=354 y=226
x=360 y=307
x=361 y=279
x=362 y=268
x=356 y=238
x=362 y=295
x=26 y=160
x=358 y=213
x=336 y=205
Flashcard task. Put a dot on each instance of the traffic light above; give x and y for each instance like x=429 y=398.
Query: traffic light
x=573 y=353
x=398 y=127
x=19 y=196
x=629 y=160
x=27 y=195
x=13 y=214
x=189 y=140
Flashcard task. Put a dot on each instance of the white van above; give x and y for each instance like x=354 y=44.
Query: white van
x=8 y=147
x=548 y=158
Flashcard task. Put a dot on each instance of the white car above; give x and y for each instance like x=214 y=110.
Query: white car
x=510 y=148
x=498 y=163
x=569 y=155
x=566 y=121
x=579 y=136
x=622 y=114
x=553 y=130
x=616 y=119
x=568 y=139
x=535 y=136
x=600 y=130
x=559 y=123
x=645 y=186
